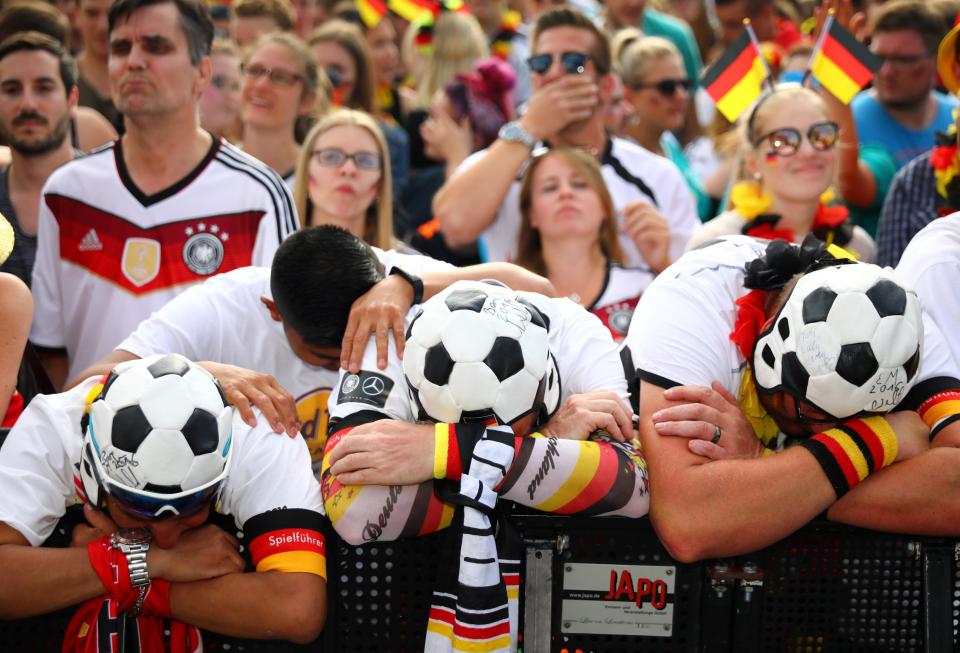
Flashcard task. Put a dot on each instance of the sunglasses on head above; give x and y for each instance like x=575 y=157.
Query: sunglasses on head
x=786 y=141
x=573 y=63
x=666 y=87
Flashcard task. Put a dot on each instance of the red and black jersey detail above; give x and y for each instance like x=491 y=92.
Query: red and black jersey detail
x=236 y=232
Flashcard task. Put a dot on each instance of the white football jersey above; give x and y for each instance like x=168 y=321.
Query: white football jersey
x=680 y=333
x=108 y=255
x=586 y=359
x=931 y=265
x=224 y=320
x=39 y=474
x=632 y=174
x=621 y=291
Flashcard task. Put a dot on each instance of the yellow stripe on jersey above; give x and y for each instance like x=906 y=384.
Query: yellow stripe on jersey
x=582 y=474
x=308 y=562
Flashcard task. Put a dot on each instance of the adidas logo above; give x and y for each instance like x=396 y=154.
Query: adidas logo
x=91 y=242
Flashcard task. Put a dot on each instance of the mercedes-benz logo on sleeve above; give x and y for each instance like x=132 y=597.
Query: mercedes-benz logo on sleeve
x=373 y=386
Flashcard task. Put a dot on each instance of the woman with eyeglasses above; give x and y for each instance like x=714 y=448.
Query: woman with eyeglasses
x=569 y=234
x=656 y=86
x=343 y=178
x=220 y=100
x=340 y=48
x=788 y=163
x=283 y=92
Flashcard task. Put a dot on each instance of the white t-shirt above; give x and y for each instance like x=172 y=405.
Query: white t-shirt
x=931 y=264
x=632 y=174
x=680 y=333
x=621 y=291
x=38 y=468
x=223 y=320
x=730 y=223
x=586 y=359
x=108 y=255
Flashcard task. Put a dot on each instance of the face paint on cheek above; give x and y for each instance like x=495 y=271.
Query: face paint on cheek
x=772 y=158
x=337 y=97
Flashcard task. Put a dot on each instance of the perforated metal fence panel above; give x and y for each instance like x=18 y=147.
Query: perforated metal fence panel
x=826 y=589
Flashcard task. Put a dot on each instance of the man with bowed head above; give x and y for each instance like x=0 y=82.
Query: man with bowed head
x=495 y=387
x=152 y=451
x=825 y=371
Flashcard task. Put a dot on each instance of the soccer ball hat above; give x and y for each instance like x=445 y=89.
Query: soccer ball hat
x=157 y=438
x=847 y=340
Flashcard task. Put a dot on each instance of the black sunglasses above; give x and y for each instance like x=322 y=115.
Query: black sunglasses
x=786 y=141
x=666 y=87
x=572 y=62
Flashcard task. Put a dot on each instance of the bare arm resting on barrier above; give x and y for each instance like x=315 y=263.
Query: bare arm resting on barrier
x=549 y=474
x=702 y=508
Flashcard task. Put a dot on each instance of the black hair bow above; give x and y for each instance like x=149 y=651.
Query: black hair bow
x=783 y=260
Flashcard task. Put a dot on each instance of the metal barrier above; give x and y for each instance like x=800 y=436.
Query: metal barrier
x=607 y=585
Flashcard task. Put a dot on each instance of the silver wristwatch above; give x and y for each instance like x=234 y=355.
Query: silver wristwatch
x=513 y=132
x=134 y=545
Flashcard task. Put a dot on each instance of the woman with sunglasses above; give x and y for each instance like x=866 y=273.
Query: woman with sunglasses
x=788 y=163
x=283 y=92
x=343 y=178
x=657 y=87
x=568 y=234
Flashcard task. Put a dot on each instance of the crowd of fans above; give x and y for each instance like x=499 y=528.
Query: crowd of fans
x=270 y=188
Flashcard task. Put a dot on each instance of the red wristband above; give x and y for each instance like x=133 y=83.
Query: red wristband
x=157 y=603
x=111 y=567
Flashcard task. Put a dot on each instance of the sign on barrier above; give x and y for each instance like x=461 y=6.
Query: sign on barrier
x=611 y=599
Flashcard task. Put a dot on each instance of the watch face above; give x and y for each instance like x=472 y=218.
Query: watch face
x=133 y=535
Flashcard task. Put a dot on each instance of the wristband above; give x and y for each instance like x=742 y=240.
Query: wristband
x=111 y=568
x=110 y=564
x=851 y=451
x=446 y=452
x=415 y=282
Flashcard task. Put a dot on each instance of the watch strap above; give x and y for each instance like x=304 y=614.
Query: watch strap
x=415 y=282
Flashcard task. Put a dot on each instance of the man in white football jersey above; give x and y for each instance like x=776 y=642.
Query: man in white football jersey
x=930 y=264
x=377 y=438
x=571 y=77
x=272 y=335
x=154 y=560
x=125 y=229
x=693 y=344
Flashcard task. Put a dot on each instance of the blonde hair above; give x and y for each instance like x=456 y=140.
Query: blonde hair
x=637 y=55
x=378 y=227
x=751 y=124
x=315 y=80
x=530 y=246
x=349 y=37
x=458 y=44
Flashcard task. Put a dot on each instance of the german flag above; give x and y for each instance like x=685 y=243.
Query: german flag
x=410 y=9
x=841 y=63
x=735 y=80
x=371 y=12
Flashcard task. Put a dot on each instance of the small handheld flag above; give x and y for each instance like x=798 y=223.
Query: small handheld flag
x=841 y=63
x=371 y=12
x=410 y=9
x=736 y=79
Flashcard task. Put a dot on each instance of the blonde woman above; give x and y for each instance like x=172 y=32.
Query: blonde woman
x=340 y=48
x=456 y=45
x=658 y=90
x=788 y=163
x=343 y=177
x=282 y=94
x=568 y=234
